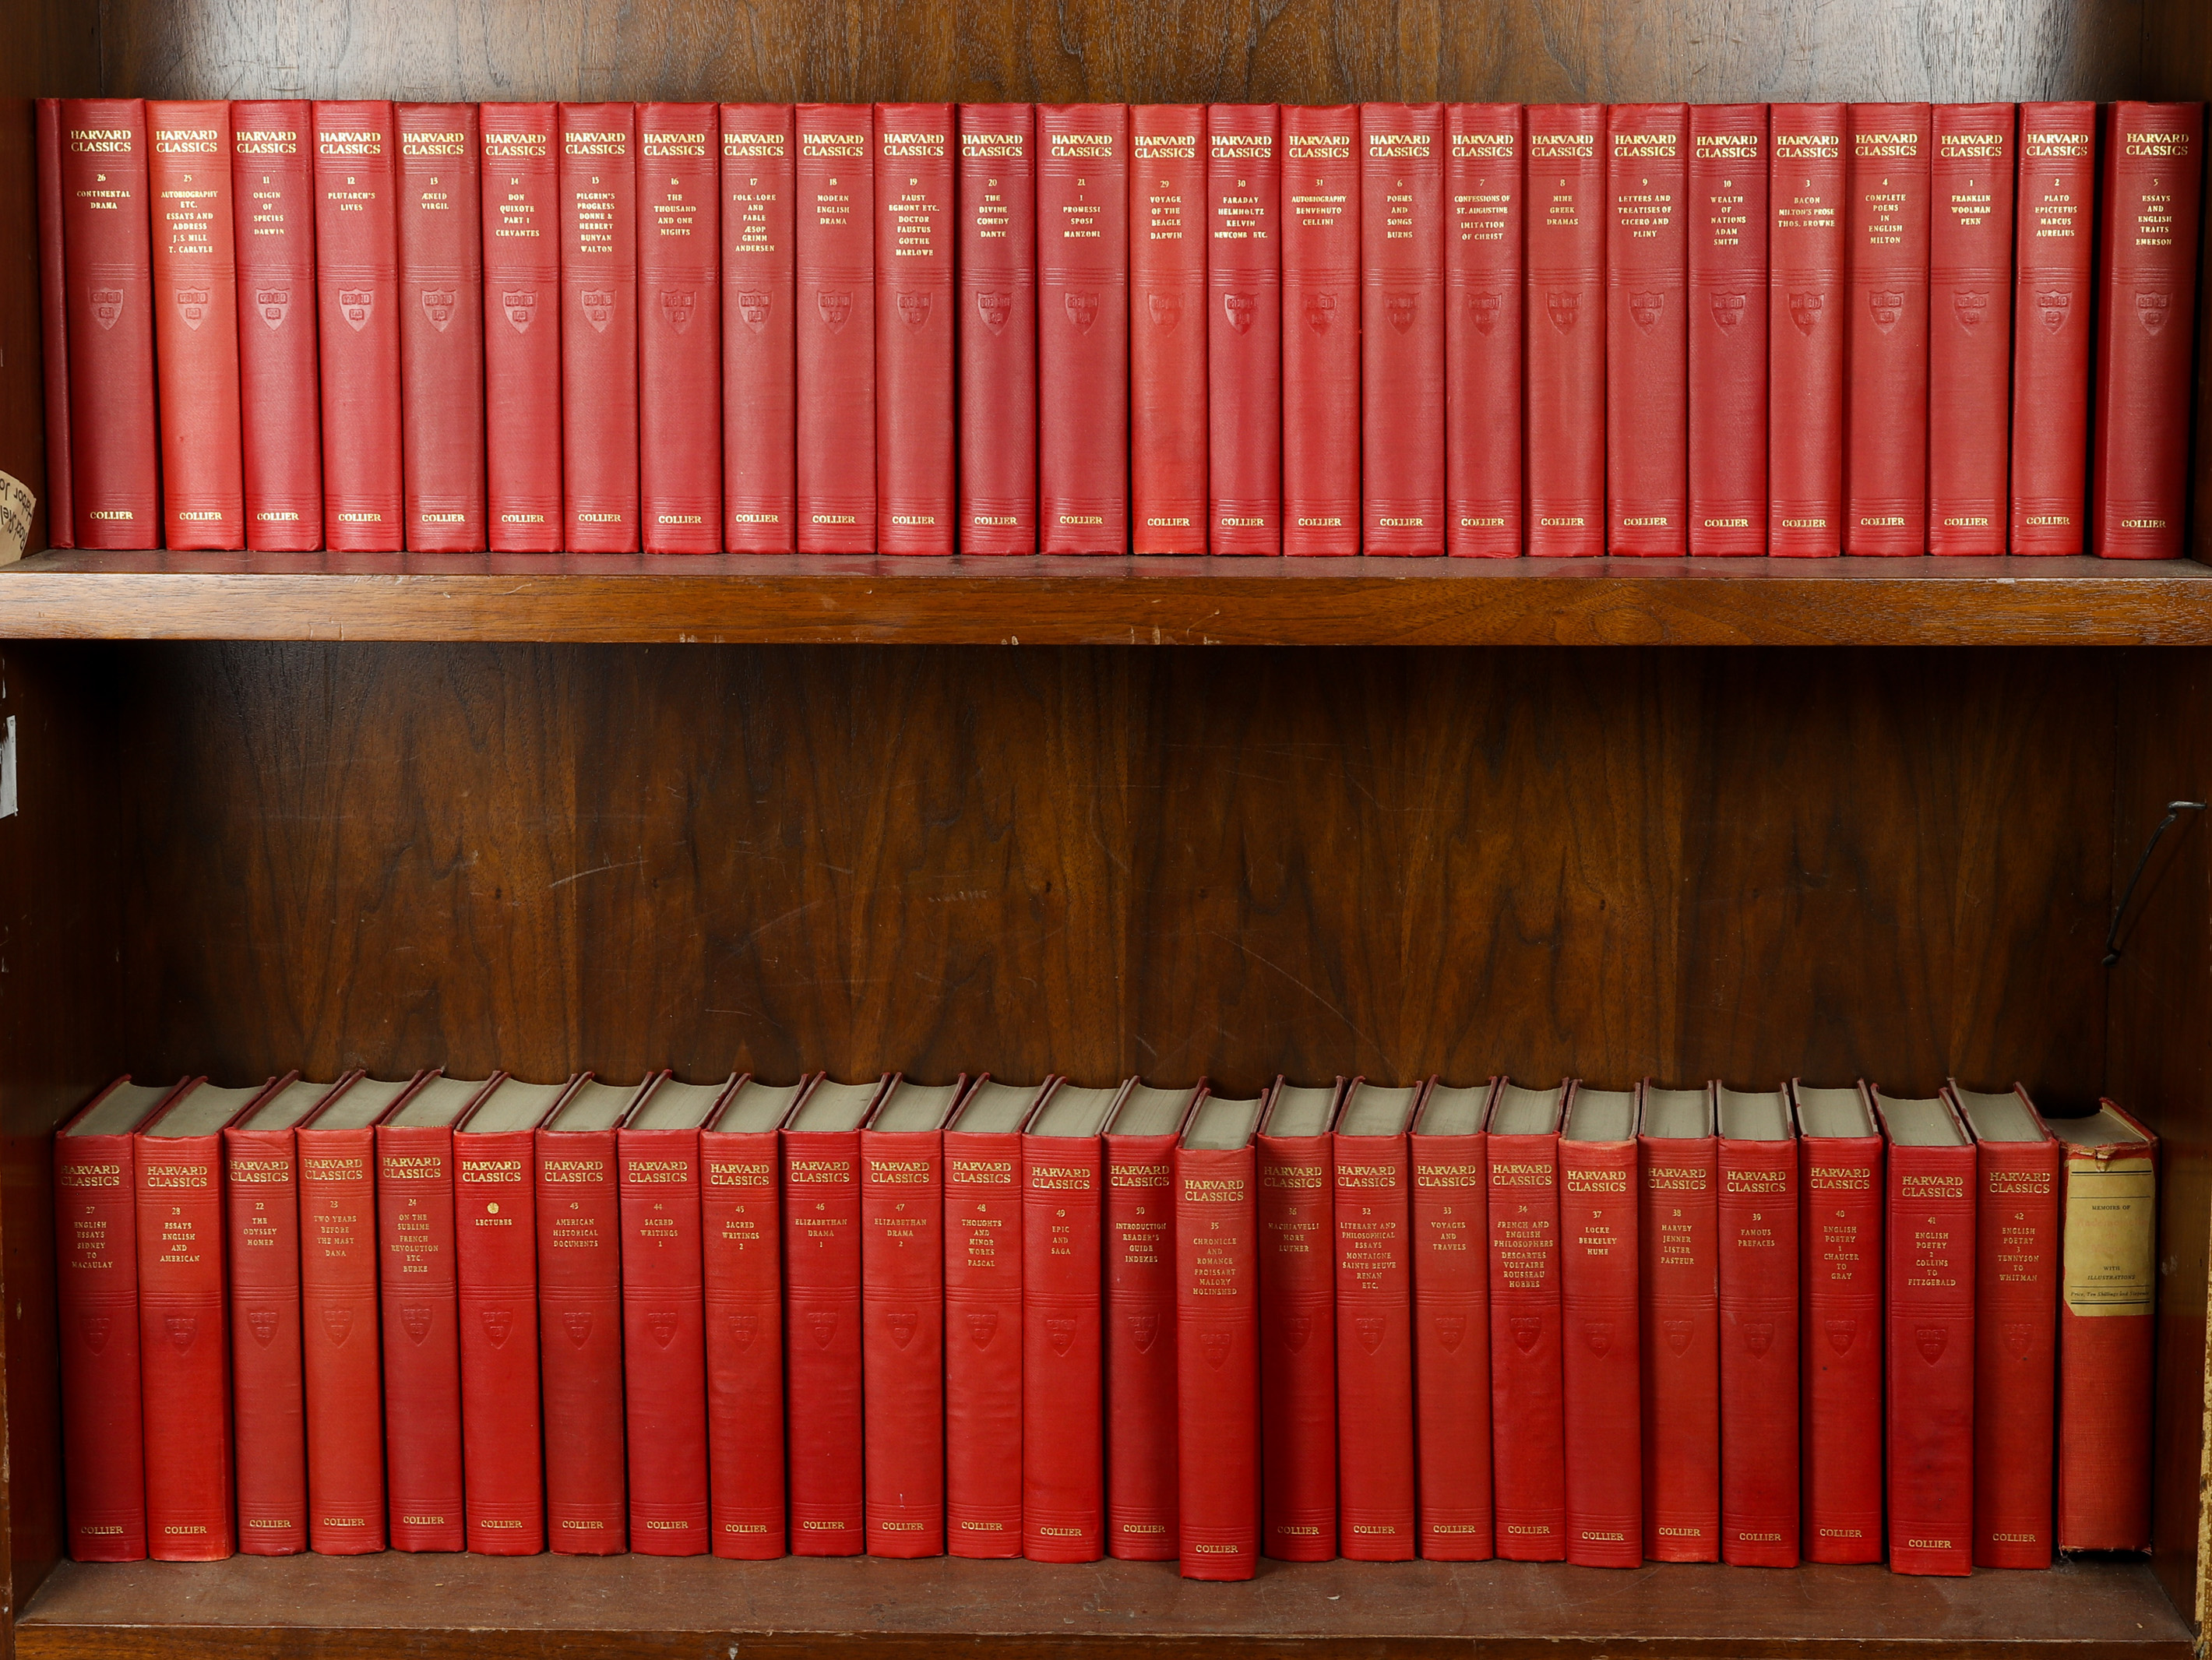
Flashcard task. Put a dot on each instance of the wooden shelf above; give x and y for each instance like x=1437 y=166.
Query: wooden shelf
x=430 y=1607
x=1073 y=601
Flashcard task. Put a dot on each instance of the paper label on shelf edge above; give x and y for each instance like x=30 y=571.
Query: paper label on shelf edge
x=17 y=505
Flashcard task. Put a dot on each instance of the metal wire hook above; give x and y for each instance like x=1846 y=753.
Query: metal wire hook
x=2173 y=811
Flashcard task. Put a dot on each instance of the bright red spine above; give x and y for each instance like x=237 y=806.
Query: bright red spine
x=107 y=256
x=599 y=328
x=339 y=1266
x=1599 y=1363
x=521 y=201
x=1063 y=1428
x=1647 y=335
x=267 y=1386
x=1807 y=305
x=679 y=328
x=580 y=1349
x=1374 y=1349
x=664 y=1342
x=834 y=309
x=53 y=327
x=983 y=1254
x=1931 y=1358
x=2016 y=1351
x=1565 y=381
x=1321 y=251
x=441 y=335
x=1969 y=238
x=2153 y=204
x=196 y=325
x=1298 y=1346
x=1451 y=1346
x=357 y=325
x=1484 y=277
x=1886 y=401
x=1528 y=1421
x=1841 y=1332
x=902 y=1346
x=1680 y=1336
x=1141 y=1335
x=1082 y=327
x=1216 y=1352
x=183 y=1348
x=1166 y=328
x=759 y=327
x=1757 y=1248
x=272 y=197
x=1401 y=195
x=1727 y=305
x=1244 y=329
x=2057 y=187
x=916 y=482
x=495 y=1259
x=998 y=277
x=419 y=1295
x=96 y=1296
x=822 y=1339
x=742 y=1234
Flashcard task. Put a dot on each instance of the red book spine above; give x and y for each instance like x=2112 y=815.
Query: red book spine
x=2152 y=204
x=679 y=328
x=598 y=333
x=1886 y=402
x=1841 y=1332
x=357 y=325
x=495 y=1257
x=1757 y=1248
x=521 y=197
x=1682 y=1350
x=441 y=332
x=1216 y=1351
x=1808 y=302
x=1727 y=303
x=107 y=256
x=272 y=197
x=1082 y=327
x=420 y=1297
x=1297 y=1347
x=1321 y=237
x=1141 y=1422
x=53 y=327
x=1244 y=330
x=836 y=312
x=2016 y=1351
x=1484 y=275
x=902 y=1346
x=267 y=1386
x=822 y=1337
x=664 y=1342
x=1402 y=307
x=1566 y=342
x=184 y=1349
x=1374 y=1349
x=1599 y=1360
x=1528 y=1421
x=998 y=329
x=1647 y=335
x=1166 y=328
x=96 y=1255
x=341 y=1357
x=759 y=189
x=1931 y=1359
x=196 y=325
x=1063 y=1429
x=2106 y=1345
x=1970 y=186
x=580 y=1349
x=1451 y=1347
x=2057 y=190
x=742 y=1235
x=983 y=1344
x=916 y=483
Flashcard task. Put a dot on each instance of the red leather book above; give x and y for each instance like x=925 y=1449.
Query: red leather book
x=1886 y=401
x=983 y=1321
x=53 y=327
x=1930 y=1271
x=1528 y=1419
x=1565 y=380
x=834 y=310
x=1840 y=1326
x=998 y=329
x=1297 y=1324
x=357 y=308
x=599 y=501
x=1681 y=1325
x=522 y=196
x=1322 y=258
x=664 y=1315
x=2051 y=298
x=1141 y=1482
x=441 y=329
x=679 y=328
x=579 y=1320
x=1598 y=1320
x=1970 y=186
x=2108 y=1268
x=903 y=1311
x=1452 y=1324
x=196 y=325
x=1484 y=275
x=1082 y=327
x=107 y=256
x=1244 y=329
x=1166 y=328
x=2153 y=205
x=1372 y=1189
x=96 y=1298
x=1757 y=1247
x=1727 y=303
x=916 y=485
x=1647 y=361
x=272 y=205
x=1216 y=1345
x=1402 y=307
x=1807 y=305
x=822 y=1316
x=2015 y=1326
x=759 y=193
x=742 y=1234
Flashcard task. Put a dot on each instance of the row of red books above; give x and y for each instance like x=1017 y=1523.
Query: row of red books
x=1061 y=1322
x=1476 y=329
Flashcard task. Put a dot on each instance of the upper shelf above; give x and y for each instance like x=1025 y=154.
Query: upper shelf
x=1076 y=601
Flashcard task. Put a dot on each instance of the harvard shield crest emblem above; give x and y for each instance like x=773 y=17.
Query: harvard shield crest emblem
x=914 y=309
x=1143 y=1328
x=1400 y=309
x=822 y=1323
x=982 y=1326
x=262 y=1323
x=1060 y=1332
x=1297 y=1328
x=271 y=306
x=1840 y=1333
x=1483 y=308
x=1240 y=309
x=2052 y=309
x=355 y=305
x=1887 y=305
x=676 y=306
x=497 y=1324
x=1677 y=1334
x=2017 y=1335
x=1728 y=307
x=836 y=305
x=1321 y=309
x=107 y=306
x=1082 y=308
x=95 y=1328
x=1214 y=1345
x=182 y=1328
x=661 y=1322
x=438 y=307
x=415 y=1319
x=520 y=305
x=1451 y=1328
x=2151 y=310
x=752 y=309
x=1804 y=311
x=193 y=306
x=995 y=307
x=337 y=1324
x=1969 y=305
x=577 y=1322
x=599 y=305
x=1563 y=306
x=901 y=1322
x=1597 y=1335
x=1929 y=1341
x=1644 y=308
x=745 y=1326
x=1165 y=309
x=1369 y=1329
x=1525 y=1328
x=1759 y=1336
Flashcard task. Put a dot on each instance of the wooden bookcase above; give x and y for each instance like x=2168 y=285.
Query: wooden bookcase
x=776 y=813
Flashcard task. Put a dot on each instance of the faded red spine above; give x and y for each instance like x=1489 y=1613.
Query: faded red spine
x=1808 y=326
x=441 y=336
x=834 y=309
x=272 y=200
x=1166 y=328
x=1297 y=1349
x=1931 y=1359
x=1841 y=1329
x=1599 y=1353
x=1374 y=1349
x=2016 y=1351
x=1063 y=1428
x=268 y=1386
x=419 y=1293
x=2053 y=293
x=599 y=328
x=1451 y=1346
x=902 y=1348
x=521 y=203
x=1402 y=313
x=1565 y=381
x=679 y=328
x=983 y=1256
x=580 y=1356
x=184 y=1349
x=1757 y=1248
x=107 y=258
x=1681 y=1349
x=495 y=1255
x=917 y=484
x=96 y=1298
x=1528 y=1421
x=1244 y=329
x=196 y=325
x=664 y=1342
x=998 y=329
x=742 y=1235
x=357 y=325
x=1886 y=402
x=1082 y=327
x=1484 y=277
x=1970 y=241
x=759 y=228
x=1321 y=255
x=340 y=1265
x=1727 y=303
x=1141 y=1335
x=1647 y=352
x=822 y=1340
x=1217 y=1362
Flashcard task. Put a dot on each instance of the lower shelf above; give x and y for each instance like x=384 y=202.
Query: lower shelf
x=429 y=1607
